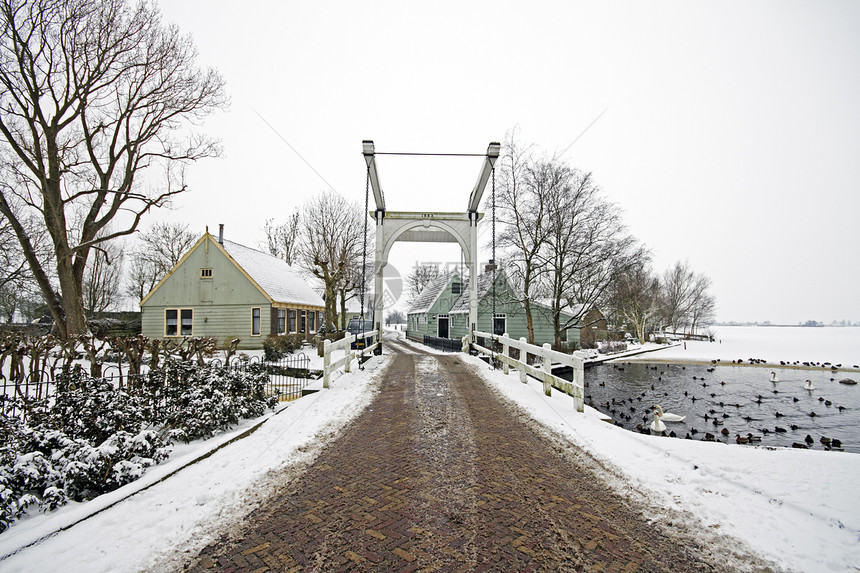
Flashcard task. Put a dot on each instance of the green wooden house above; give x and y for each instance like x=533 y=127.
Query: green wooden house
x=225 y=290
x=442 y=310
x=429 y=313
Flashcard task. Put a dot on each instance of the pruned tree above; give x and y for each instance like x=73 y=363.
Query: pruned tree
x=282 y=240
x=93 y=93
x=419 y=277
x=160 y=249
x=331 y=245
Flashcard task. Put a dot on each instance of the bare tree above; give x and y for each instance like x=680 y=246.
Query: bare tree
x=522 y=204
x=634 y=300
x=282 y=240
x=395 y=316
x=419 y=277
x=93 y=93
x=685 y=298
x=588 y=246
x=160 y=249
x=331 y=245
x=103 y=277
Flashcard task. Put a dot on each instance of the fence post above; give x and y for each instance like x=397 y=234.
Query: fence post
x=348 y=352
x=579 y=381
x=547 y=367
x=505 y=353
x=524 y=359
x=326 y=361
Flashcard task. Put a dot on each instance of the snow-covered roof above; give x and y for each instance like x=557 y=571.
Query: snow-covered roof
x=485 y=281
x=569 y=309
x=278 y=279
x=431 y=292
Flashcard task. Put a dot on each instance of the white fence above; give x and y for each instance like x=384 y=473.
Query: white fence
x=542 y=372
x=345 y=344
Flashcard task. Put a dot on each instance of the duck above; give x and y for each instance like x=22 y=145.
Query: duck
x=741 y=439
x=808 y=385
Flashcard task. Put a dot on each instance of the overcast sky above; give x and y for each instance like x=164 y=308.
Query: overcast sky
x=731 y=137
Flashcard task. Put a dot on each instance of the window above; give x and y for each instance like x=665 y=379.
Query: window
x=292 y=320
x=302 y=319
x=170 y=322
x=456 y=287
x=205 y=273
x=312 y=326
x=187 y=316
x=178 y=322
x=255 y=321
x=282 y=317
x=500 y=323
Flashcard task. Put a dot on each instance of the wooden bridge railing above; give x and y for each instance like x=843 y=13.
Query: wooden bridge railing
x=542 y=372
x=329 y=348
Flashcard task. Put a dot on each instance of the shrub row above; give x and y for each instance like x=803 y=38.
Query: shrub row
x=93 y=438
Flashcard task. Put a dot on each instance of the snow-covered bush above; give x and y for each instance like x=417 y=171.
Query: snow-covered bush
x=197 y=400
x=93 y=438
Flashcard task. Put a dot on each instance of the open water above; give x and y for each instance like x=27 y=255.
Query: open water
x=741 y=399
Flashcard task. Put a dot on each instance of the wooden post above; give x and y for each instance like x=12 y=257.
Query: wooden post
x=348 y=349
x=505 y=353
x=547 y=367
x=578 y=381
x=326 y=362
x=524 y=359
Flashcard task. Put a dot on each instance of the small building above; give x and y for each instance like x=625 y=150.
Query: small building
x=442 y=310
x=430 y=311
x=225 y=290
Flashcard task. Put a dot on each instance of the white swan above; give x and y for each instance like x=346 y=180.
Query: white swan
x=668 y=416
x=808 y=385
x=657 y=425
x=773 y=377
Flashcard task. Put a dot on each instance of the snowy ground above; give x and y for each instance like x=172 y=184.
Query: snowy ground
x=796 y=508
x=156 y=528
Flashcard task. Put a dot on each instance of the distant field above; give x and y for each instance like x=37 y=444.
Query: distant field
x=771 y=343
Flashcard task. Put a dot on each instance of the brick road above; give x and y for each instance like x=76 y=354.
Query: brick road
x=439 y=474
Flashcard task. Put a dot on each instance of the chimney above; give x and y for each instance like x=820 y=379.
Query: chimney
x=490 y=266
x=221 y=233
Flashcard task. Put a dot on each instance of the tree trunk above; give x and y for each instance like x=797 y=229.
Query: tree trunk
x=529 y=321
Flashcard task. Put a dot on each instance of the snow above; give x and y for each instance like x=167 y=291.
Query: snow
x=796 y=508
x=159 y=526
x=837 y=345
x=276 y=277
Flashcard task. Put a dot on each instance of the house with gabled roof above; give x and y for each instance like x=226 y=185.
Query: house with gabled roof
x=225 y=290
x=433 y=315
x=428 y=314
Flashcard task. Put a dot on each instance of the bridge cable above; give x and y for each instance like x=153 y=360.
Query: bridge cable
x=493 y=321
x=363 y=288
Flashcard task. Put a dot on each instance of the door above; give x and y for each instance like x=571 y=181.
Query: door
x=443 y=327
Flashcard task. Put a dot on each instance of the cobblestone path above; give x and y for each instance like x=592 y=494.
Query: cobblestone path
x=440 y=474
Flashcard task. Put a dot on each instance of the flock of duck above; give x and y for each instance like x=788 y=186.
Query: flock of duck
x=716 y=420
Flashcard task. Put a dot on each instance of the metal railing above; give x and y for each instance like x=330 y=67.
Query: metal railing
x=446 y=344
